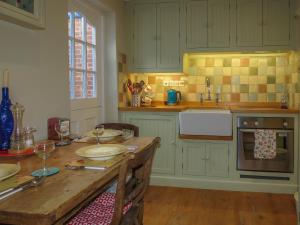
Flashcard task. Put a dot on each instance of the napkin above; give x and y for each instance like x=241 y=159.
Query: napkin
x=14 y=181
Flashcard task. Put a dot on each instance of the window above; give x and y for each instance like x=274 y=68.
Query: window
x=82 y=57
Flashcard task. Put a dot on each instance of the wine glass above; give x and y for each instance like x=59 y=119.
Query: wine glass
x=99 y=130
x=43 y=150
x=62 y=131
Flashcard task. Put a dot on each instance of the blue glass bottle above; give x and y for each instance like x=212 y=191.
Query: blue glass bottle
x=6 y=120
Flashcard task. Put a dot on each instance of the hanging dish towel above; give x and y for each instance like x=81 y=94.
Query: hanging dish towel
x=265 y=144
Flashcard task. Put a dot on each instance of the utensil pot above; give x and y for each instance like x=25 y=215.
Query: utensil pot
x=135 y=100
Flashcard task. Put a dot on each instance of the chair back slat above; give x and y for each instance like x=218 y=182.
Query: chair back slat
x=139 y=164
x=121 y=126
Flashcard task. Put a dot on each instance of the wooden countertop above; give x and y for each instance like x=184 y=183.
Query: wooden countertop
x=249 y=107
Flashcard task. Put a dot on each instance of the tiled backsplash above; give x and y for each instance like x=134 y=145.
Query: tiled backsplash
x=239 y=77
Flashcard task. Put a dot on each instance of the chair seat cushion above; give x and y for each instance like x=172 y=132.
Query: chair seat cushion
x=98 y=212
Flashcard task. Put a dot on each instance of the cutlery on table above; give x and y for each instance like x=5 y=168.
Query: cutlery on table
x=34 y=183
x=73 y=167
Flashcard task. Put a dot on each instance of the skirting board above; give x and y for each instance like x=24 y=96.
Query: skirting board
x=228 y=185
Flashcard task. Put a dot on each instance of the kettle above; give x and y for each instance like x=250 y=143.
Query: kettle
x=174 y=97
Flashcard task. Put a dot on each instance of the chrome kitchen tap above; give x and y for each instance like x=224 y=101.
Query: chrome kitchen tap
x=208 y=89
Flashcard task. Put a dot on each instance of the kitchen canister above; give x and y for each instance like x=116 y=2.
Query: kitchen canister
x=135 y=100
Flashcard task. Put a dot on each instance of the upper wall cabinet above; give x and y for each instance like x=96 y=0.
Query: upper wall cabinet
x=277 y=22
x=168 y=44
x=155 y=41
x=249 y=23
x=27 y=13
x=144 y=36
x=264 y=23
x=206 y=24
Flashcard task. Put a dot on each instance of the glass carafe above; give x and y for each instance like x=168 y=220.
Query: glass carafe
x=17 y=137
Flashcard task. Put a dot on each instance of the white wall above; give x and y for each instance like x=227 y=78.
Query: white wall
x=115 y=41
x=118 y=7
x=38 y=61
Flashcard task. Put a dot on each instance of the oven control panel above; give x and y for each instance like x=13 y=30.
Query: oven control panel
x=266 y=122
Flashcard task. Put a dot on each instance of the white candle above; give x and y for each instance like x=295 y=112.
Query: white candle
x=5 y=78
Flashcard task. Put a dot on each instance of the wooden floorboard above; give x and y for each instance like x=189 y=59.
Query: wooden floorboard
x=181 y=206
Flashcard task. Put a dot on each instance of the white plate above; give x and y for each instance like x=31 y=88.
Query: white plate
x=107 y=135
x=8 y=170
x=101 y=152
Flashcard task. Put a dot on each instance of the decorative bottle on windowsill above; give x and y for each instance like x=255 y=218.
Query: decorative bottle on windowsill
x=6 y=116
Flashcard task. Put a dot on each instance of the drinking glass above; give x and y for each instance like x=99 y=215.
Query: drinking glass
x=127 y=134
x=99 y=130
x=62 y=131
x=43 y=150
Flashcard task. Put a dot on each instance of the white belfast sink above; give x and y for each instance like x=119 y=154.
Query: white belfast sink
x=206 y=122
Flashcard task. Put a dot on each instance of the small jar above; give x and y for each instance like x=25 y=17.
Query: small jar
x=29 y=137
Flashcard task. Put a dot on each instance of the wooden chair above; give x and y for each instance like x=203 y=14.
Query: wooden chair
x=121 y=126
x=124 y=207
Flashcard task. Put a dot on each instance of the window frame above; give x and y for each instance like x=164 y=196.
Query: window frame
x=72 y=41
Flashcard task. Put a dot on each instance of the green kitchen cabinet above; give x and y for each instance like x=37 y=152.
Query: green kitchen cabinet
x=249 y=23
x=263 y=23
x=144 y=48
x=205 y=159
x=163 y=126
x=194 y=157
x=155 y=37
x=168 y=43
x=196 y=24
x=207 y=24
x=277 y=22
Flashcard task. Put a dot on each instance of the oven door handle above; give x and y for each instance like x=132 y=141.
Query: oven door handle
x=277 y=131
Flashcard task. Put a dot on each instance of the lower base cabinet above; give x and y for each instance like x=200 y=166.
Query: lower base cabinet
x=163 y=126
x=205 y=159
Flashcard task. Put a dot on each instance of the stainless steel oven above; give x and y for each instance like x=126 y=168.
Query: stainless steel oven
x=284 y=160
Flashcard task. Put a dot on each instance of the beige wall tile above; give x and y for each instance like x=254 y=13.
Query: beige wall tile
x=244 y=97
x=244 y=71
x=262 y=79
x=219 y=62
x=227 y=70
x=253 y=62
x=209 y=71
x=226 y=88
x=262 y=97
x=236 y=71
x=236 y=62
x=244 y=80
x=253 y=88
x=271 y=88
x=253 y=79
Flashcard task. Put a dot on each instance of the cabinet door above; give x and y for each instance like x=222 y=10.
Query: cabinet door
x=217 y=155
x=194 y=159
x=249 y=23
x=276 y=22
x=196 y=24
x=168 y=43
x=165 y=128
x=144 y=36
x=218 y=23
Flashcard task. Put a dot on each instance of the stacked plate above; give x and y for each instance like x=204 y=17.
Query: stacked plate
x=107 y=135
x=101 y=152
x=8 y=170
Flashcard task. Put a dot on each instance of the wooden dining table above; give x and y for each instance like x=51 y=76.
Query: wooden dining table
x=62 y=195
